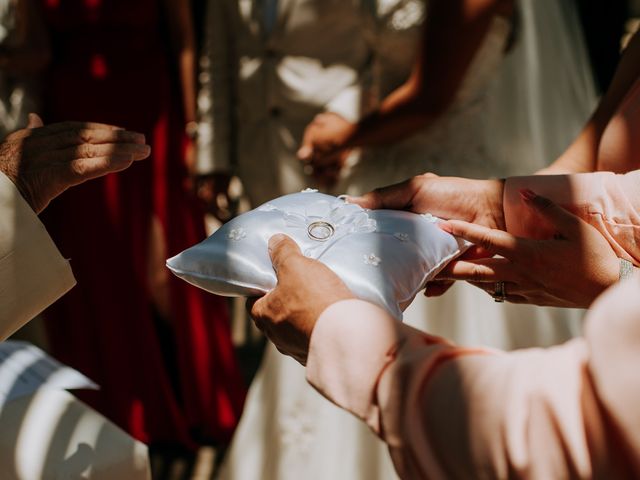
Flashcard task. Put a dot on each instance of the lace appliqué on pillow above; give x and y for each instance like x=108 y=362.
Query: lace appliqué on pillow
x=372 y=259
x=237 y=234
x=326 y=221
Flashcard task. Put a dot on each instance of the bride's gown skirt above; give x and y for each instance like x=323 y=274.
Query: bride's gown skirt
x=288 y=431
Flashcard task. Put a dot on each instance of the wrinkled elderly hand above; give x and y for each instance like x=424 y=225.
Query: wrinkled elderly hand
x=323 y=147
x=306 y=287
x=44 y=161
x=570 y=270
x=477 y=201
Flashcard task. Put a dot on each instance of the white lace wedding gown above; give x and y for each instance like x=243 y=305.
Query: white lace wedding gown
x=288 y=431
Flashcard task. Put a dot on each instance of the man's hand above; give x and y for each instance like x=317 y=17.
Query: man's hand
x=570 y=270
x=477 y=201
x=323 y=147
x=44 y=161
x=306 y=287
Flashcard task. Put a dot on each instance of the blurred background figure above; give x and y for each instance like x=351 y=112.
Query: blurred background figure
x=287 y=429
x=24 y=53
x=160 y=349
x=270 y=67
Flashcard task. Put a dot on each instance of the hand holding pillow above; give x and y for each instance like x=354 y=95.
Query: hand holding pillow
x=382 y=256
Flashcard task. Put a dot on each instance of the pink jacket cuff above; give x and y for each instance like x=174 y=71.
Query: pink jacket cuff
x=352 y=344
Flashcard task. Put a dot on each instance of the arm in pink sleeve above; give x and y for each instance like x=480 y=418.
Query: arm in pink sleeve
x=609 y=202
x=449 y=412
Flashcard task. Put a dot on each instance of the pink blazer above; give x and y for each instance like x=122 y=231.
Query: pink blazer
x=571 y=411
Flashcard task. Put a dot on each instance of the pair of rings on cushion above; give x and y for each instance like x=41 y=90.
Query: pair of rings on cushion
x=499 y=295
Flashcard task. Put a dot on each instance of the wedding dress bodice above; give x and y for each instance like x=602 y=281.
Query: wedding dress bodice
x=455 y=143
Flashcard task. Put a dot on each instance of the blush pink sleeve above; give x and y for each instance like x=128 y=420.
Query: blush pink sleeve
x=451 y=412
x=608 y=201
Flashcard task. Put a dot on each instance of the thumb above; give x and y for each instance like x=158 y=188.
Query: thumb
x=565 y=223
x=305 y=152
x=282 y=249
x=34 y=121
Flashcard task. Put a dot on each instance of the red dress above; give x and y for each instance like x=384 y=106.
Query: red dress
x=111 y=63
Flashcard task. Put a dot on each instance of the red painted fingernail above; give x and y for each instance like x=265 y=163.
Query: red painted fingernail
x=527 y=195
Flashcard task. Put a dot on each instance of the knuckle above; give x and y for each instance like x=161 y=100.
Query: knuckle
x=83 y=136
x=79 y=169
x=87 y=150
x=486 y=241
x=273 y=306
x=477 y=273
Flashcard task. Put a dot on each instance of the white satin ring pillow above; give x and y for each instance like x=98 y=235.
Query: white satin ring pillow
x=383 y=256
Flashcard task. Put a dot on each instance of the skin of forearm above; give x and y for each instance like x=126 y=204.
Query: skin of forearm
x=452 y=34
x=580 y=157
x=401 y=114
x=583 y=154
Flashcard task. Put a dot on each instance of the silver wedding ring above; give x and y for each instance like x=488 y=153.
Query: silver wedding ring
x=499 y=295
x=320 y=231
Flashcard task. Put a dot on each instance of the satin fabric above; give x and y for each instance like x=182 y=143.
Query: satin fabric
x=383 y=256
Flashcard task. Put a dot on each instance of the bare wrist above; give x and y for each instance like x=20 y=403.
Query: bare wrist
x=493 y=210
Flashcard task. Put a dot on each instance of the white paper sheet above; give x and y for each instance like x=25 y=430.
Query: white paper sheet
x=24 y=368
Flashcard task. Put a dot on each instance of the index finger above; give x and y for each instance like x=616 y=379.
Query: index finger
x=70 y=138
x=492 y=240
x=60 y=127
x=64 y=126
